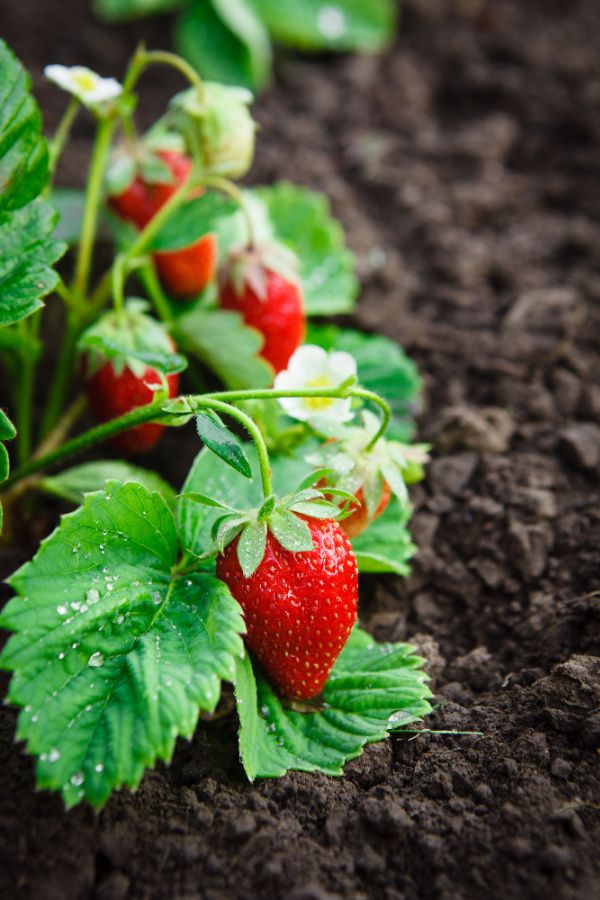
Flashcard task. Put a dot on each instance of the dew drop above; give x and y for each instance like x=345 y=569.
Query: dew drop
x=61 y=610
x=98 y=767
x=156 y=597
x=54 y=755
x=77 y=779
x=96 y=660
x=61 y=655
x=92 y=596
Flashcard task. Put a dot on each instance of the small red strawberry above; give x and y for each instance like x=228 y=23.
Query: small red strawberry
x=269 y=300
x=185 y=272
x=359 y=517
x=111 y=395
x=118 y=377
x=299 y=607
x=141 y=199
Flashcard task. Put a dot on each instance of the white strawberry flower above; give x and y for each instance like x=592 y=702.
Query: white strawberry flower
x=87 y=86
x=313 y=367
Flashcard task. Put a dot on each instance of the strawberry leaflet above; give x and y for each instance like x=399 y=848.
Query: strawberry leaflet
x=372 y=690
x=114 y=655
x=27 y=251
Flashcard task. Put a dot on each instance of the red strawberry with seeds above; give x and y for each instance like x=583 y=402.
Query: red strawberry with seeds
x=184 y=272
x=257 y=285
x=113 y=394
x=299 y=607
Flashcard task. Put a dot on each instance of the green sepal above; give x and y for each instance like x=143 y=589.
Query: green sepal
x=251 y=547
x=7 y=433
x=130 y=339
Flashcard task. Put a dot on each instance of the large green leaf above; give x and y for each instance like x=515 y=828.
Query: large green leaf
x=225 y=41
x=301 y=219
x=73 y=483
x=364 y=25
x=114 y=654
x=372 y=689
x=383 y=367
x=222 y=341
x=27 y=250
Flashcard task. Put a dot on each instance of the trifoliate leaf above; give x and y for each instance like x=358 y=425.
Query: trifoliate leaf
x=221 y=441
x=301 y=220
x=222 y=341
x=318 y=25
x=383 y=367
x=113 y=654
x=27 y=249
x=225 y=41
x=372 y=689
x=73 y=483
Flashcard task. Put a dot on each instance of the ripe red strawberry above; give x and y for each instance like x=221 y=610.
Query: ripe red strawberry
x=359 y=518
x=111 y=395
x=299 y=607
x=140 y=201
x=185 y=272
x=275 y=309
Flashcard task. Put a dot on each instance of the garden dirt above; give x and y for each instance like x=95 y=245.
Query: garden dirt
x=464 y=166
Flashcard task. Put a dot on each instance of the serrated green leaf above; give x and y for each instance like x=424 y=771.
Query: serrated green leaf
x=73 y=483
x=222 y=341
x=386 y=545
x=27 y=250
x=251 y=547
x=362 y=25
x=383 y=367
x=290 y=531
x=194 y=219
x=113 y=655
x=301 y=219
x=225 y=41
x=119 y=10
x=221 y=441
x=372 y=689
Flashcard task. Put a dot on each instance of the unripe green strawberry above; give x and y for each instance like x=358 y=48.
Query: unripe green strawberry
x=299 y=607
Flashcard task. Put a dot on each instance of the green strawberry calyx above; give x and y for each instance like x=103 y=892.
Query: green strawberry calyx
x=128 y=338
x=249 y=266
x=142 y=158
x=280 y=516
x=355 y=466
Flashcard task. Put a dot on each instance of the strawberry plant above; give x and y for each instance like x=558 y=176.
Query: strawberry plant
x=144 y=600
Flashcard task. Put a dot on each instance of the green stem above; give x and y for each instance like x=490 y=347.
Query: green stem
x=24 y=397
x=144 y=58
x=56 y=145
x=233 y=191
x=62 y=375
x=254 y=432
x=383 y=406
x=93 y=197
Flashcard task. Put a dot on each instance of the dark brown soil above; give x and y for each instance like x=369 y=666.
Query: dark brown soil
x=464 y=165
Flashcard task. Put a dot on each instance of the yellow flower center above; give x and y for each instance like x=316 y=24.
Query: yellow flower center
x=318 y=404
x=85 y=81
